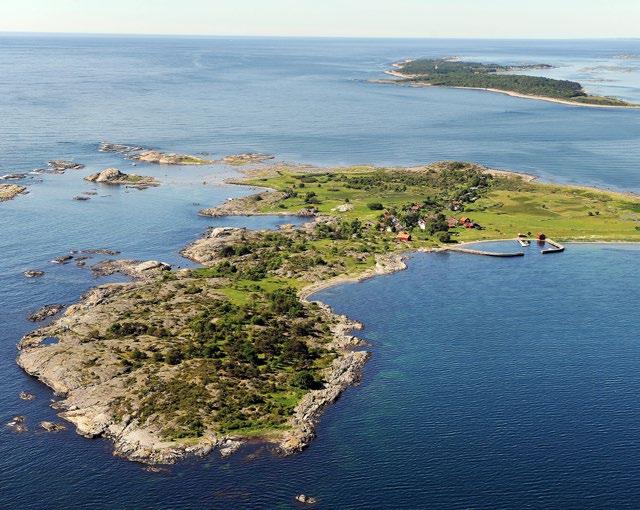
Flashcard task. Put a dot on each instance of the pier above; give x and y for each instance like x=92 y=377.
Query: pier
x=524 y=242
x=487 y=253
x=555 y=247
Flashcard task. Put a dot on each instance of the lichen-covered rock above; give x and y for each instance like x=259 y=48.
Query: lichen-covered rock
x=60 y=165
x=247 y=158
x=134 y=268
x=164 y=158
x=114 y=176
x=9 y=191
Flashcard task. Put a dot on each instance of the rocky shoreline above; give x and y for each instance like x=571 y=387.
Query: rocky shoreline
x=89 y=394
x=252 y=205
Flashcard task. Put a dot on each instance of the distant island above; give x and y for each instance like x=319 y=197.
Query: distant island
x=184 y=361
x=497 y=78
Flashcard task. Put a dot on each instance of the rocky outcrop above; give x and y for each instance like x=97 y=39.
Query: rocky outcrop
x=50 y=426
x=114 y=176
x=17 y=424
x=207 y=249
x=13 y=177
x=60 y=166
x=137 y=153
x=134 y=268
x=100 y=251
x=247 y=158
x=254 y=205
x=165 y=158
x=25 y=395
x=62 y=259
x=46 y=312
x=306 y=500
x=9 y=191
x=32 y=273
x=119 y=148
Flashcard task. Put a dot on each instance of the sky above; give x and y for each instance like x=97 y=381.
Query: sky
x=342 y=18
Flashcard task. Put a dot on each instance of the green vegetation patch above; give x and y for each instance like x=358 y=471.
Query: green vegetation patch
x=453 y=73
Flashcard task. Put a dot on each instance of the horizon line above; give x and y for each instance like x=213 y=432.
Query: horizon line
x=276 y=36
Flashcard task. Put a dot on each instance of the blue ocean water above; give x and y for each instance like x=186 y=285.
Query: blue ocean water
x=493 y=383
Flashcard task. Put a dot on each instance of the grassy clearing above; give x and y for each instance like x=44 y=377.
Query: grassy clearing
x=507 y=207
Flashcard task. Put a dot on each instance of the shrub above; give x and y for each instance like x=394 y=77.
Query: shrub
x=375 y=206
x=443 y=237
x=304 y=380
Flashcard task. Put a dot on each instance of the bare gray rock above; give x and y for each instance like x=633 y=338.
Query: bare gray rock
x=17 y=424
x=63 y=259
x=32 y=273
x=134 y=268
x=306 y=500
x=45 y=312
x=50 y=426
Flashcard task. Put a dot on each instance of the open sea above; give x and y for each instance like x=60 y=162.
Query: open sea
x=494 y=383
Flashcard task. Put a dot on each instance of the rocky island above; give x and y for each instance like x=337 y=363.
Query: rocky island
x=114 y=176
x=246 y=158
x=10 y=191
x=184 y=361
x=59 y=166
x=137 y=153
x=497 y=78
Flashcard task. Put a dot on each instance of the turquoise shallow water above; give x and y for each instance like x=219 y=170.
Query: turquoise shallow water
x=493 y=383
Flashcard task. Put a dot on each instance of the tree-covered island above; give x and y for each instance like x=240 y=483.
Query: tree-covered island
x=194 y=359
x=497 y=78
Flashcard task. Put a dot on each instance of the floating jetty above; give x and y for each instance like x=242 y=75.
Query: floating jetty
x=486 y=253
x=555 y=247
x=522 y=241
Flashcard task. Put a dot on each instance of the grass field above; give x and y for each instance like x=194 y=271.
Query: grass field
x=508 y=206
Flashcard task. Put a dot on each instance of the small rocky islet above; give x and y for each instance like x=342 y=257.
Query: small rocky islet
x=10 y=191
x=137 y=153
x=113 y=176
x=60 y=166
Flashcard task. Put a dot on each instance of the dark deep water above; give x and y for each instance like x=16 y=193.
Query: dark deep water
x=493 y=383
